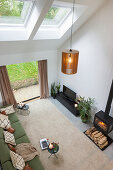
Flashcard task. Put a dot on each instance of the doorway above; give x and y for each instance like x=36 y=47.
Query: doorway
x=24 y=80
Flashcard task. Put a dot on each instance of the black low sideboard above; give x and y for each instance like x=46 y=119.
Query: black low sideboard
x=67 y=102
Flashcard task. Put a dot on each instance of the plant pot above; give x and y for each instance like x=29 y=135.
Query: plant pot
x=54 y=96
x=58 y=92
x=84 y=119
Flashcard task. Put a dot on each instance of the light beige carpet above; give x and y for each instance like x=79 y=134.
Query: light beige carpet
x=76 y=151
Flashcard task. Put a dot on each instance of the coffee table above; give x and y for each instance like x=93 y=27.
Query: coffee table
x=54 y=150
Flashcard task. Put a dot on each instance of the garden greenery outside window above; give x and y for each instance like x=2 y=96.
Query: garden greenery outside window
x=24 y=79
x=56 y=15
x=14 y=12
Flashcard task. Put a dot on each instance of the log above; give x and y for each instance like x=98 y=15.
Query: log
x=100 y=137
x=97 y=139
x=94 y=133
x=93 y=130
x=102 y=140
x=89 y=130
x=97 y=136
x=96 y=142
x=103 y=145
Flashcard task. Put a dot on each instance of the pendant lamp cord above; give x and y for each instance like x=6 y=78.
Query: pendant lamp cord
x=72 y=25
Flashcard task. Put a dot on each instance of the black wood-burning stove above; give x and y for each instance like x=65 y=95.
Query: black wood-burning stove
x=102 y=120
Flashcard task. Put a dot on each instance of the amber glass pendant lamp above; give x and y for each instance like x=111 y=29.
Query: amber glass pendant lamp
x=70 y=57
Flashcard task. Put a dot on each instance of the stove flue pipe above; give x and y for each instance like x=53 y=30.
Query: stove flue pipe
x=110 y=98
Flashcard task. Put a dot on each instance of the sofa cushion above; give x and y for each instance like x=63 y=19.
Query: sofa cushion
x=19 y=131
x=9 y=138
x=35 y=164
x=13 y=118
x=4 y=121
x=20 y=137
x=8 y=166
x=4 y=151
x=17 y=160
x=8 y=109
x=2 y=116
x=23 y=139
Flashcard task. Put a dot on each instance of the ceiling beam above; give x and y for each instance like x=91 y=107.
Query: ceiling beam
x=42 y=12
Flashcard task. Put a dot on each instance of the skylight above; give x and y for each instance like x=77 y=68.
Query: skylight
x=55 y=16
x=58 y=20
x=14 y=12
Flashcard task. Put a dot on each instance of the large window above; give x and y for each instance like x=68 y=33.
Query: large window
x=58 y=20
x=14 y=12
x=55 y=16
x=24 y=80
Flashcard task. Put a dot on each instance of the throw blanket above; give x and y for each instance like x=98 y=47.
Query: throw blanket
x=27 y=151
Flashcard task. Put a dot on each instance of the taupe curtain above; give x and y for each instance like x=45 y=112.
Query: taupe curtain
x=5 y=87
x=43 y=79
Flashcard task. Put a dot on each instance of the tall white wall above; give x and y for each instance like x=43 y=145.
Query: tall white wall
x=51 y=56
x=94 y=40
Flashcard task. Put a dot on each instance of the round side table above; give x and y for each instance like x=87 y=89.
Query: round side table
x=54 y=150
x=23 y=111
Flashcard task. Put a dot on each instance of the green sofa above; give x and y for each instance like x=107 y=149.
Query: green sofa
x=20 y=137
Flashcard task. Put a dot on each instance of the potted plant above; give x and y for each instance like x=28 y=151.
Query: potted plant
x=53 y=90
x=58 y=88
x=84 y=107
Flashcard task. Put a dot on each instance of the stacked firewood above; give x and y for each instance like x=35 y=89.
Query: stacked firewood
x=98 y=137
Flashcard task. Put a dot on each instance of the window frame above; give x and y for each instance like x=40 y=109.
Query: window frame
x=63 y=19
x=19 y=21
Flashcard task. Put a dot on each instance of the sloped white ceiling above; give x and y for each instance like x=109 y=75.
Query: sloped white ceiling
x=28 y=31
x=30 y=45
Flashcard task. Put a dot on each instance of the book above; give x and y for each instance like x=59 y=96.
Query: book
x=44 y=143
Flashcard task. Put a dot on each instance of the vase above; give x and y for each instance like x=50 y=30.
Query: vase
x=84 y=119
